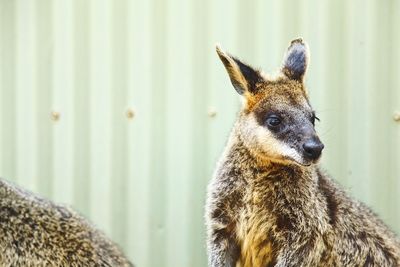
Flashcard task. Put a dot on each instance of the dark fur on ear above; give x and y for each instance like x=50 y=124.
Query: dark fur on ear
x=252 y=76
x=296 y=60
x=243 y=77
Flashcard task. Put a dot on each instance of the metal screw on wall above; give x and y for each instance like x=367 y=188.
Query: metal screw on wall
x=396 y=116
x=212 y=112
x=130 y=114
x=55 y=116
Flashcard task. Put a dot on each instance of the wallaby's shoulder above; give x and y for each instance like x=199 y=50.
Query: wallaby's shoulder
x=355 y=229
x=38 y=232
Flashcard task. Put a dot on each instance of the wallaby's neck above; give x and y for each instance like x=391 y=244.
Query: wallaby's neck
x=269 y=179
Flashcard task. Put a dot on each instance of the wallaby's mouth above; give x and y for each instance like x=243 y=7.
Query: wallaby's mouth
x=308 y=162
x=305 y=159
x=303 y=162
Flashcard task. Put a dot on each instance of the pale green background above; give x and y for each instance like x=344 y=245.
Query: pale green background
x=143 y=180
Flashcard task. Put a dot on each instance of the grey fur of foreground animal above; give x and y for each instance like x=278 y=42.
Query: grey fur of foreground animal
x=269 y=203
x=37 y=232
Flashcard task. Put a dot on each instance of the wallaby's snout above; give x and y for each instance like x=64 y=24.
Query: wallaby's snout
x=312 y=148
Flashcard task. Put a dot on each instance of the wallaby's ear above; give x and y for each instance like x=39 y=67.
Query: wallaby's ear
x=296 y=60
x=243 y=77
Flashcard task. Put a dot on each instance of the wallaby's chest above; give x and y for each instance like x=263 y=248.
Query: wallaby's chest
x=254 y=236
x=254 y=229
x=269 y=218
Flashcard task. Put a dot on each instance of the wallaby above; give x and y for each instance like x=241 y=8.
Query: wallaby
x=37 y=232
x=269 y=203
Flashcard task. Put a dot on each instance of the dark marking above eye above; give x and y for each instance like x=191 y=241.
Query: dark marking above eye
x=262 y=114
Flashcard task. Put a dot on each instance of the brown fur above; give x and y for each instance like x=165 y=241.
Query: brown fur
x=37 y=232
x=268 y=206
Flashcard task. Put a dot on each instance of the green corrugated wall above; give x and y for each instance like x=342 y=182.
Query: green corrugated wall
x=120 y=108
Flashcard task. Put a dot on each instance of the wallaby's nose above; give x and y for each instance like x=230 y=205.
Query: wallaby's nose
x=313 y=148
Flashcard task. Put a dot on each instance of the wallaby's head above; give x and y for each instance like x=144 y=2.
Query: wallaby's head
x=276 y=121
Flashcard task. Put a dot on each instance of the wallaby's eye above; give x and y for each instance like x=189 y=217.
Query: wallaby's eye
x=273 y=121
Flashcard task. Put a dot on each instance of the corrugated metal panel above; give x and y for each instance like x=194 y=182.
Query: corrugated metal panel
x=73 y=73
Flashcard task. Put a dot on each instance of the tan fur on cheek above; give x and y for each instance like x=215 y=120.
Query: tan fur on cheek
x=261 y=139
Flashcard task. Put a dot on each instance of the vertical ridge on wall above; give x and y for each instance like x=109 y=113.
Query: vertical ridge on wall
x=201 y=50
x=377 y=104
x=335 y=92
x=394 y=156
x=1 y=83
x=81 y=105
x=99 y=110
x=312 y=20
x=177 y=134
x=62 y=103
x=140 y=97
x=267 y=35
x=381 y=144
x=357 y=65
x=26 y=96
x=290 y=21
x=245 y=27
x=369 y=76
x=222 y=97
x=119 y=122
x=158 y=196
x=8 y=40
x=43 y=72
